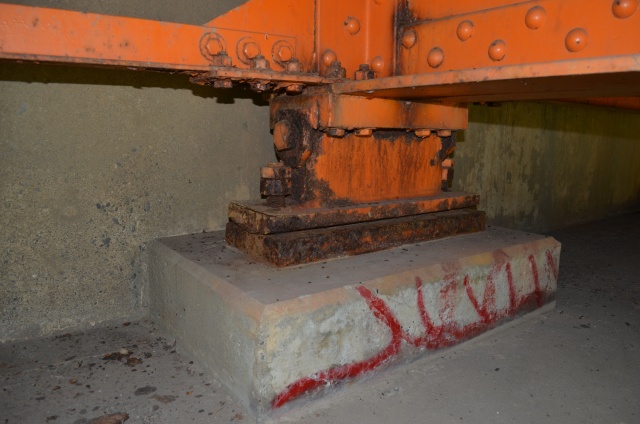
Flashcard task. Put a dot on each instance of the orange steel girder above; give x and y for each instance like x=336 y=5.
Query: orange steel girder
x=447 y=45
x=363 y=72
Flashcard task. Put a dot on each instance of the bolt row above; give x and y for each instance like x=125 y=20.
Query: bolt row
x=535 y=18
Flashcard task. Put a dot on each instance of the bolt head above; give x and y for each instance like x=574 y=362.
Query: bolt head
x=260 y=62
x=284 y=53
x=295 y=88
x=250 y=49
x=293 y=65
x=213 y=46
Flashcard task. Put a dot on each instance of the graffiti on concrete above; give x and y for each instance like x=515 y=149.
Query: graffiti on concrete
x=446 y=333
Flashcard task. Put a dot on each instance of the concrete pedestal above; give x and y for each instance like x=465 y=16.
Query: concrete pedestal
x=276 y=335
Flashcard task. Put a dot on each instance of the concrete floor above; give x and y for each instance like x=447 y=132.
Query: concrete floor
x=576 y=364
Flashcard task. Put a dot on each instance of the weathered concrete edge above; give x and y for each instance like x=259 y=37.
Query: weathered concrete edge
x=534 y=264
x=227 y=349
x=303 y=304
x=332 y=395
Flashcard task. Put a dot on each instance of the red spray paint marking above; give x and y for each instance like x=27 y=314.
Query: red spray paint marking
x=536 y=281
x=383 y=313
x=447 y=333
x=551 y=263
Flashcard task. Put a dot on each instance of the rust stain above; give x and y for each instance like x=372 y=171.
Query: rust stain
x=299 y=247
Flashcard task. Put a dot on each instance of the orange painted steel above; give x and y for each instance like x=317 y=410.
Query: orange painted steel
x=265 y=21
x=582 y=78
x=357 y=32
x=521 y=33
x=377 y=168
x=378 y=82
x=50 y=35
x=326 y=110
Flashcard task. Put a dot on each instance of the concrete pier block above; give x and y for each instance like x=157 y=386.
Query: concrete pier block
x=276 y=335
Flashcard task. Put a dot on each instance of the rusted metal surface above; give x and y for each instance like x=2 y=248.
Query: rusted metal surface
x=259 y=218
x=339 y=156
x=299 y=247
x=275 y=80
x=579 y=78
x=275 y=184
x=327 y=110
x=366 y=142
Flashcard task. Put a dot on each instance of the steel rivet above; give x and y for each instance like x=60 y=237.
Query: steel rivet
x=377 y=64
x=435 y=57
x=409 y=38
x=328 y=57
x=353 y=25
x=576 y=40
x=465 y=30
x=535 y=18
x=497 y=50
x=624 y=8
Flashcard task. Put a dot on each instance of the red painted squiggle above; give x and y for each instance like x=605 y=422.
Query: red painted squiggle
x=551 y=263
x=447 y=333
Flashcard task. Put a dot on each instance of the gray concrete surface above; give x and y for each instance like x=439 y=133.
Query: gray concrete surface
x=576 y=364
x=543 y=166
x=263 y=331
x=96 y=163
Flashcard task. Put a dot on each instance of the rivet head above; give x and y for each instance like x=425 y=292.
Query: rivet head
x=409 y=38
x=377 y=64
x=435 y=57
x=576 y=40
x=535 y=17
x=328 y=57
x=465 y=30
x=353 y=25
x=497 y=50
x=624 y=8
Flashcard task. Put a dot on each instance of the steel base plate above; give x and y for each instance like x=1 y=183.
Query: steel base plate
x=304 y=246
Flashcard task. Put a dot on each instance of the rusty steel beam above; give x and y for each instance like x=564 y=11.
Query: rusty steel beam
x=299 y=247
x=262 y=219
x=327 y=110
